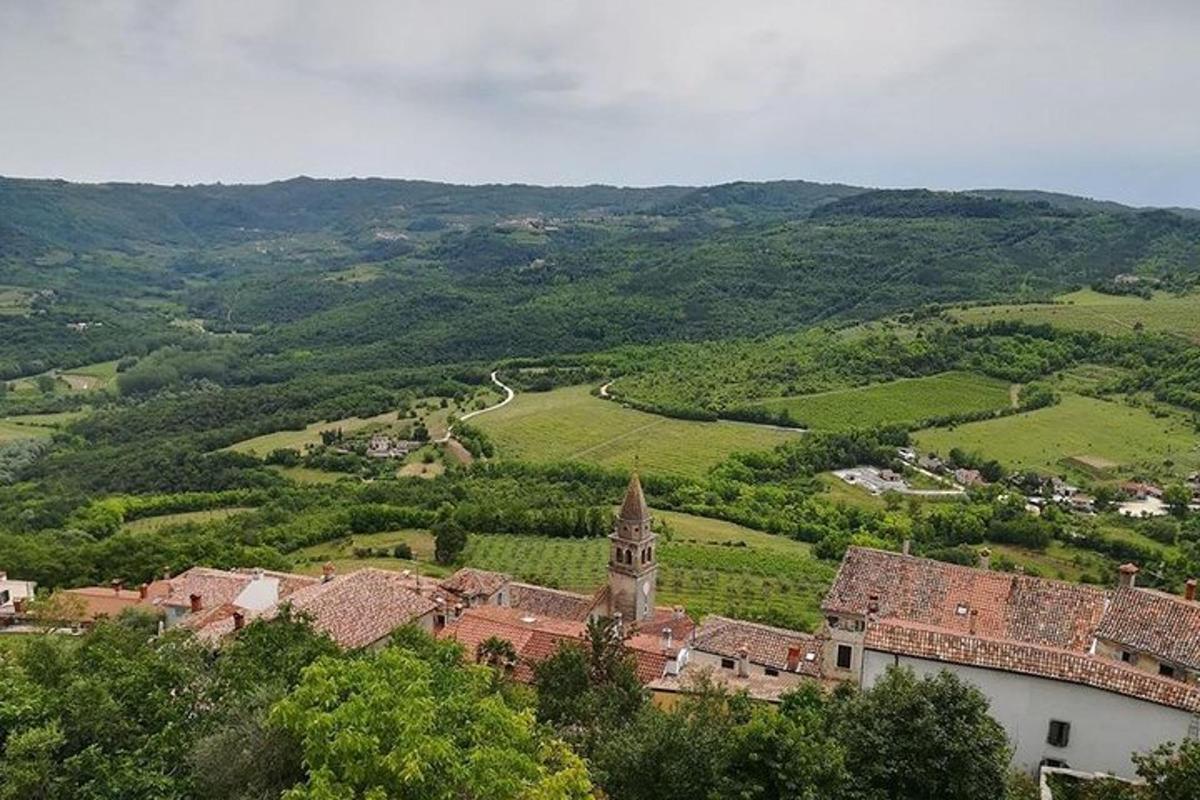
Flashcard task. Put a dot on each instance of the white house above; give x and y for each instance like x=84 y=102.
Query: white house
x=1078 y=676
x=13 y=595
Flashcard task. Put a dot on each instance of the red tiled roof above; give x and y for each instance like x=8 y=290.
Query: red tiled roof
x=362 y=607
x=1166 y=626
x=906 y=638
x=1007 y=606
x=766 y=645
x=472 y=582
x=536 y=639
x=215 y=587
x=542 y=602
x=758 y=686
x=104 y=601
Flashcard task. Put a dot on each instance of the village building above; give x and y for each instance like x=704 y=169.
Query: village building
x=1078 y=676
x=15 y=595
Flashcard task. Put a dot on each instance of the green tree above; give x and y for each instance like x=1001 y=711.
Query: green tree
x=449 y=540
x=1171 y=772
x=1177 y=497
x=912 y=739
x=395 y=725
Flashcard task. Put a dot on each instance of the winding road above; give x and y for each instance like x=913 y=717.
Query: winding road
x=509 y=394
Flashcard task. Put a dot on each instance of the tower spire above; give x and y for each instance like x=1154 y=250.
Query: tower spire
x=634 y=508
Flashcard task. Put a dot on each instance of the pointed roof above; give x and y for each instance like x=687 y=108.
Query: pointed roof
x=634 y=507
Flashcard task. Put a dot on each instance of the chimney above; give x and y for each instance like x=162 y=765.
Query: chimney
x=239 y=620
x=166 y=573
x=793 y=658
x=906 y=548
x=667 y=637
x=327 y=572
x=19 y=605
x=117 y=585
x=677 y=612
x=618 y=625
x=458 y=609
x=872 y=606
x=258 y=573
x=195 y=600
x=143 y=591
x=3 y=575
x=974 y=620
x=1127 y=577
x=985 y=559
x=743 y=664
x=1189 y=590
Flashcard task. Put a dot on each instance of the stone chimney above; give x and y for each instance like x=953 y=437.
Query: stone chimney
x=1127 y=575
x=872 y=607
x=618 y=625
x=743 y=662
x=985 y=559
x=197 y=602
x=3 y=575
x=667 y=637
x=143 y=590
x=117 y=585
x=974 y=621
x=166 y=573
x=677 y=612
x=239 y=620
x=1189 y=590
x=793 y=658
x=327 y=572
x=906 y=548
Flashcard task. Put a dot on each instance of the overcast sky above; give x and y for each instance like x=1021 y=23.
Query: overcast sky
x=1097 y=98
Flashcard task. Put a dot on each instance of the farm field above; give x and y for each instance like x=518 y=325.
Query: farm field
x=308 y=474
x=12 y=428
x=1093 y=311
x=262 y=445
x=1056 y=561
x=1081 y=434
x=151 y=524
x=91 y=376
x=904 y=401
x=13 y=301
x=571 y=424
x=770 y=578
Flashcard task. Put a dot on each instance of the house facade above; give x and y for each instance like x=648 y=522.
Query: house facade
x=1079 y=677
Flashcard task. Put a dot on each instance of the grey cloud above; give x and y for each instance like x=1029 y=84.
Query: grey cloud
x=1092 y=96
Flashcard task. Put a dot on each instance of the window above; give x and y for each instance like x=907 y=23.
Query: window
x=1166 y=670
x=726 y=663
x=844 y=654
x=770 y=671
x=1054 y=763
x=1128 y=657
x=1060 y=733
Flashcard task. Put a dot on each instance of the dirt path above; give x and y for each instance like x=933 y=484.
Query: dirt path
x=454 y=446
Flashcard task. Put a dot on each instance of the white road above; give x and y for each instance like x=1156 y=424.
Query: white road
x=509 y=394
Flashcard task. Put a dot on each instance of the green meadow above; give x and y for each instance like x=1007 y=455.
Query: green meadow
x=901 y=402
x=1080 y=433
x=1093 y=311
x=571 y=424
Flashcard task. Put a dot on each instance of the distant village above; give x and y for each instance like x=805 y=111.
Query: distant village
x=1137 y=499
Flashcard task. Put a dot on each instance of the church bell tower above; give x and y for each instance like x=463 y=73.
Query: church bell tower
x=633 y=562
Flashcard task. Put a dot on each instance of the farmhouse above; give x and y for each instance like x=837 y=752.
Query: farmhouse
x=14 y=598
x=1078 y=676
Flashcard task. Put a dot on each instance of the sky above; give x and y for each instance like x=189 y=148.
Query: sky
x=1097 y=98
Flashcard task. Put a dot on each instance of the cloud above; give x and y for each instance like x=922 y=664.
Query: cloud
x=1091 y=97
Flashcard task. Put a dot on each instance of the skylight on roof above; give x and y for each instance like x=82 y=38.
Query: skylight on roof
x=961 y=610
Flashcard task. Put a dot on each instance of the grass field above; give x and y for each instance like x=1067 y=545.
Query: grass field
x=297 y=440
x=1076 y=431
x=29 y=426
x=708 y=566
x=570 y=424
x=91 y=376
x=899 y=402
x=1093 y=311
x=13 y=301
x=151 y=524
x=309 y=475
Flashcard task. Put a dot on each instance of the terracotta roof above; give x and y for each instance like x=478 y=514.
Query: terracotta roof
x=104 y=601
x=681 y=624
x=1163 y=625
x=543 y=602
x=1005 y=606
x=472 y=582
x=634 y=506
x=767 y=645
x=215 y=587
x=362 y=607
x=535 y=638
x=758 y=686
x=1047 y=662
x=289 y=582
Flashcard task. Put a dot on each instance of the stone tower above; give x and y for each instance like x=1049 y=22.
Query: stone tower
x=633 y=562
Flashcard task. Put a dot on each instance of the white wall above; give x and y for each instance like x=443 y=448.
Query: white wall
x=1106 y=728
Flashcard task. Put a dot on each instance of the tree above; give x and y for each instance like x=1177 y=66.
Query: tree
x=1171 y=772
x=449 y=540
x=911 y=739
x=394 y=724
x=1177 y=497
